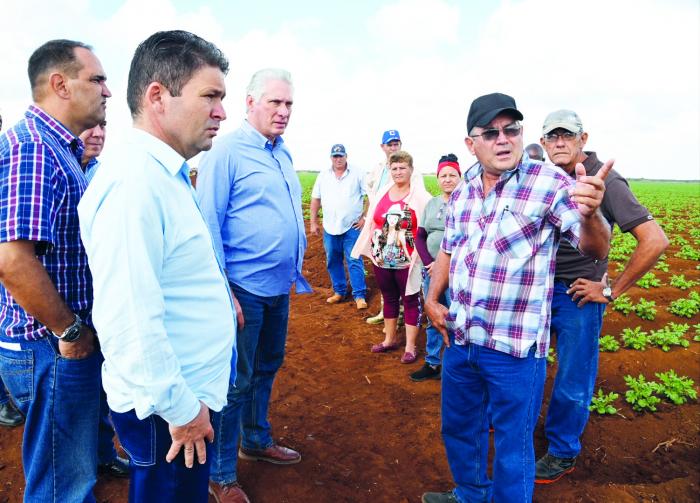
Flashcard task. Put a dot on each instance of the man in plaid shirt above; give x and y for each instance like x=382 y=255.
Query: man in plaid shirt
x=48 y=356
x=502 y=231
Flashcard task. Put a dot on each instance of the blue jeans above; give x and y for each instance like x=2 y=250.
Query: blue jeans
x=338 y=247
x=577 y=330
x=433 y=338
x=60 y=398
x=152 y=478
x=260 y=346
x=105 y=433
x=4 y=396
x=475 y=378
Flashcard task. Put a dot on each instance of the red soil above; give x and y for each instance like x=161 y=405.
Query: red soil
x=369 y=434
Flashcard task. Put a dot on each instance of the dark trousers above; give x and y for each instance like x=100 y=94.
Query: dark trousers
x=152 y=478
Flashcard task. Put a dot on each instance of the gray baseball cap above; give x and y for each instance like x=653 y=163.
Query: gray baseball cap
x=565 y=119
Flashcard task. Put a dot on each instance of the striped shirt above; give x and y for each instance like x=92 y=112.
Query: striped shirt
x=41 y=183
x=503 y=249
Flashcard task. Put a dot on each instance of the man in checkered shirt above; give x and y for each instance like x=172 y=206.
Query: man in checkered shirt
x=502 y=231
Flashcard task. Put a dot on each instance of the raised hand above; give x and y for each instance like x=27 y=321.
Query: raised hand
x=588 y=191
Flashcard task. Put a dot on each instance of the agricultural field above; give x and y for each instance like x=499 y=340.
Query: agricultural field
x=369 y=434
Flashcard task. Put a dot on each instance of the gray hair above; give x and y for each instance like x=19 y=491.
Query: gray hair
x=257 y=84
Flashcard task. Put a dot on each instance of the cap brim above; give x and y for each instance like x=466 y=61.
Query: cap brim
x=561 y=125
x=336 y=154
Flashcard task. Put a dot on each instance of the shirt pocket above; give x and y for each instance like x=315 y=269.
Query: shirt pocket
x=516 y=234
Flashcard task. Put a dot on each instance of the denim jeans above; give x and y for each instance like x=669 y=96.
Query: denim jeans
x=60 y=398
x=433 y=338
x=577 y=331
x=4 y=396
x=474 y=378
x=105 y=433
x=152 y=478
x=260 y=345
x=338 y=247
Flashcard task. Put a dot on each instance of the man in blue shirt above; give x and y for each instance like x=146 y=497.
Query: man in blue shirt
x=251 y=199
x=163 y=310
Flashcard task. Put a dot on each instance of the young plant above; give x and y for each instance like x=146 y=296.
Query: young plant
x=641 y=393
x=635 y=338
x=623 y=304
x=661 y=266
x=696 y=338
x=645 y=309
x=551 y=357
x=679 y=281
x=608 y=344
x=602 y=403
x=678 y=389
x=686 y=307
x=688 y=252
x=672 y=334
x=649 y=280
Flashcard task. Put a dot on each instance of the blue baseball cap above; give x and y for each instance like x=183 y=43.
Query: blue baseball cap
x=338 y=150
x=390 y=135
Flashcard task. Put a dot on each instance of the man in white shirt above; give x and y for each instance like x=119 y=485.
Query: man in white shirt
x=340 y=192
x=163 y=310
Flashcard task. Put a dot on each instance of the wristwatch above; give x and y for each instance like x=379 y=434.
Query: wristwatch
x=607 y=293
x=72 y=333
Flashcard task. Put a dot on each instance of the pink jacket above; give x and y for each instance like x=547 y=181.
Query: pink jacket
x=416 y=199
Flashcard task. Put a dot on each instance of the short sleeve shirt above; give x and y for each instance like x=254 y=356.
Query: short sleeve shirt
x=619 y=207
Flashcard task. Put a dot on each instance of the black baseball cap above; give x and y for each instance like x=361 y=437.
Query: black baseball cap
x=485 y=108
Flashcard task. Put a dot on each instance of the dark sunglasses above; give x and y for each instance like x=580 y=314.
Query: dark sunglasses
x=510 y=131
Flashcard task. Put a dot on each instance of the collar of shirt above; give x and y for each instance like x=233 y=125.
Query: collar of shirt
x=258 y=139
x=57 y=129
x=161 y=152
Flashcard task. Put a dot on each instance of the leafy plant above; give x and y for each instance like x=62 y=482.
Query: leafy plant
x=661 y=266
x=678 y=389
x=641 y=393
x=688 y=252
x=623 y=304
x=672 y=334
x=649 y=280
x=551 y=356
x=696 y=338
x=602 y=403
x=608 y=344
x=686 y=307
x=679 y=281
x=645 y=309
x=635 y=338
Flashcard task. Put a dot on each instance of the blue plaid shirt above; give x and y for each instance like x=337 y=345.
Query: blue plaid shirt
x=41 y=183
x=503 y=249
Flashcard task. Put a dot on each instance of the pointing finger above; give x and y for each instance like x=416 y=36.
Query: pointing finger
x=605 y=169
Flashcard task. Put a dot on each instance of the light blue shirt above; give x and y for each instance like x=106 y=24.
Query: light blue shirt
x=342 y=198
x=163 y=310
x=250 y=197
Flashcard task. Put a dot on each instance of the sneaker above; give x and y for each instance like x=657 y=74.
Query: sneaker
x=377 y=319
x=427 y=371
x=335 y=298
x=361 y=303
x=9 y=415
x=447 y=497
x=550 y=468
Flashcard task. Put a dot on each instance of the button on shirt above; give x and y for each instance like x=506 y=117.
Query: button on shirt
x=163 y=310
x=250 y=196
x=41 y=182
x=502 y=249
x=341 y=199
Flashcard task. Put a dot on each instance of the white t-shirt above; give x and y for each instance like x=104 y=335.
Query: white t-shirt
x=341 y=198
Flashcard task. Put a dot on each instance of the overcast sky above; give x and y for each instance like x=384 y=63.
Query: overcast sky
x=629 y=68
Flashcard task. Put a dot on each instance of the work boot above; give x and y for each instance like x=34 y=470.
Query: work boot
x=550 y=468
x=10 y=416
x=228 y=493
x=427 y=371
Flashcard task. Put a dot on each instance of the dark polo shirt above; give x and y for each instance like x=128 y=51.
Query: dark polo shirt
x=619 y=207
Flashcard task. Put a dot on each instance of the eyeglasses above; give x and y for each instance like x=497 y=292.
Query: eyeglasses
x=492 y=134
x=564 y=135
